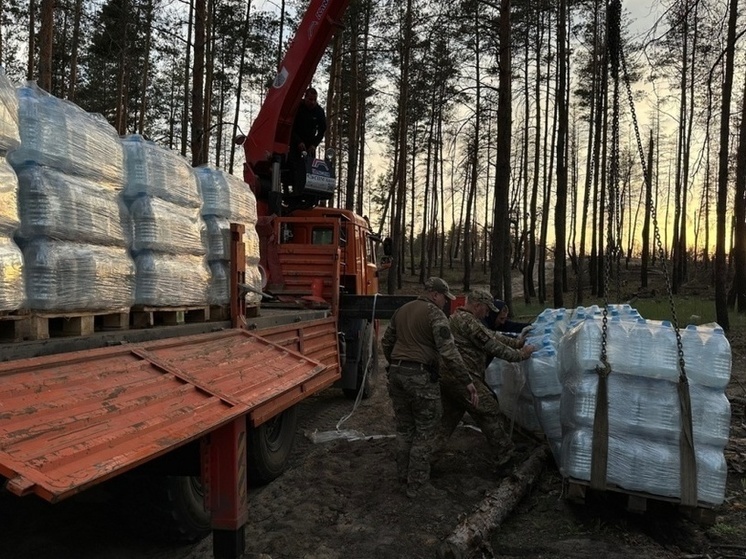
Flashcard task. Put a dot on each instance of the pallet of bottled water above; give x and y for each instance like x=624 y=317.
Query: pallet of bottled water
x=644 y=416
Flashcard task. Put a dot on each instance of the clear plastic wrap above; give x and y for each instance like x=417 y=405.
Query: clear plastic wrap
x=644 y=348
x=648 y=408
x=514 y=396
x=542 y=373
x=69 y=207
x=166 y=227
x=9 y=219
x=167 y=280
x=59 y=134
x=65 y=276
x=639 y=464
x=251 y=242
x=225 y=195
x=218 y=238
x=218 y=241
x=10 y=137
x=156 y=171
x=217 y=293
x=12 y=288
x=707 y=355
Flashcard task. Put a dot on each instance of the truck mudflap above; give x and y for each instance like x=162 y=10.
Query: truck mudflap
x=72 y=420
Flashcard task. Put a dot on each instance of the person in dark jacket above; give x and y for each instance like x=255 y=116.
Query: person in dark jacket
x=308 y=130
x=498 y=320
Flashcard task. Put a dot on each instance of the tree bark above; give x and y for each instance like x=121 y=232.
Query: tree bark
x=198 y=78
x=560 y=209
x=474 y=531
x=721 y=267
x=46 y=46
x=500 y=270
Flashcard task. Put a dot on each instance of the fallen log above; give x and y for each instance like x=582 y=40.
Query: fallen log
x=474 y=531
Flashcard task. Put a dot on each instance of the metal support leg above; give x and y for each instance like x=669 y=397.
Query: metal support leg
x=224 y=478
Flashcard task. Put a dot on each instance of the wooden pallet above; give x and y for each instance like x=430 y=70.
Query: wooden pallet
x=576 y=490
x=147 y=317
x=30 y=325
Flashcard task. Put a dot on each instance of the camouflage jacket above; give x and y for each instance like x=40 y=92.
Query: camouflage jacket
x=419 y=331
x=476 y=342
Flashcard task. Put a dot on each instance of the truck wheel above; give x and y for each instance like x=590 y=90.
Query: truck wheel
x=175 y=507
x=270 y=445
x=370 y=349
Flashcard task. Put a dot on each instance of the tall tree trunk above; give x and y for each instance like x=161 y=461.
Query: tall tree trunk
x=352 y=123
x=30 y=68
x=721 y=269
x=646 y=223
x=239 y=81
x=560 y=208
x=207 y=101
x=77 y=16
x=46 y=46
x=500 y=272
x=187 y=76
x=401 y=168
x=739 y=240
x=198 y=82
x=122 y=73
x=146 y=66
x=472 y=190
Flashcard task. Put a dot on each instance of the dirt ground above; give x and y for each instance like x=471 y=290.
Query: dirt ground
x=342 y=499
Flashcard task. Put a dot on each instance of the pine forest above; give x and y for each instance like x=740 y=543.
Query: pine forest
x=488 y=136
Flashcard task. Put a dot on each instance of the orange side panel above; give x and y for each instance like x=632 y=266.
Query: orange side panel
x=72 y=420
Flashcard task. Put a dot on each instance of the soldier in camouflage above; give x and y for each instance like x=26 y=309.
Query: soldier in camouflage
x=416 y=337
x=475 y=343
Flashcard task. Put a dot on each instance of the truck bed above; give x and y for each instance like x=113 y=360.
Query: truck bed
x=71 y=420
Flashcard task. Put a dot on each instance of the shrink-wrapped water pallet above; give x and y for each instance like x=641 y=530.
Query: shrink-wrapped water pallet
x=644 y=413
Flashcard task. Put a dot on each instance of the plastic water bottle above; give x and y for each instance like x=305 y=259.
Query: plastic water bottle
x=493 y=375
x=588 y=345
x=716 y=360
x=9 y=220
x=543 y=379
x=12 y=288
x=710 y=415
x=217 y=292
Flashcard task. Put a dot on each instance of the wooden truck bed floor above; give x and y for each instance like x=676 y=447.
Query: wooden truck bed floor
x=69 y=421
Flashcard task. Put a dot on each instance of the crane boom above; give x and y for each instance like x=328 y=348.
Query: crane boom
x=270 y=133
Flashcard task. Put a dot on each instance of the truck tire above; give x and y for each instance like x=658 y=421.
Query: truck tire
x=369 y=351
x=174 y=507
x=270 y=445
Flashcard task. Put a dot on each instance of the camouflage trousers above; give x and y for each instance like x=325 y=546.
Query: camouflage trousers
x=417 y=409
x=487 y=415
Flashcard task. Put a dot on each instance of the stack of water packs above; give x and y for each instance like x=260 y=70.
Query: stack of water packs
x=168 y=234
x=12 y=288
x=70 y=176
x=228 y=199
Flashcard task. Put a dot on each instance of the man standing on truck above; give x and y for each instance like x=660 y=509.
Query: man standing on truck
x=417 y=334
x=476 y=343
x=308 y=130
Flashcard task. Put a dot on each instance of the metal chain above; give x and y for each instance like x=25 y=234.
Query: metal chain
x=654 y=217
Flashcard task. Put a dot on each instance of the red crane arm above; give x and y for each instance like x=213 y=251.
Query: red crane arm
x=270 y=132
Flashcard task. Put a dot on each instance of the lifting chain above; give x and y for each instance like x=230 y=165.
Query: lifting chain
x=613 y=31
x=687 y=457
x=654 y=218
